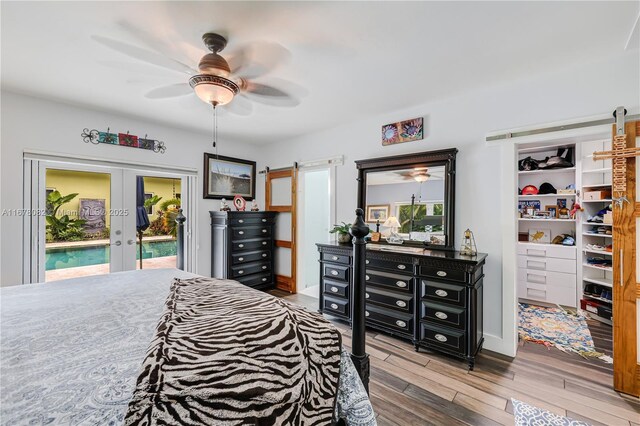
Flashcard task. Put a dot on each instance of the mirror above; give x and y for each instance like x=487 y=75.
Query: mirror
x=410 y=198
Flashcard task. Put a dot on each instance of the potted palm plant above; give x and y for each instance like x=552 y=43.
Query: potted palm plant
x=342 y=231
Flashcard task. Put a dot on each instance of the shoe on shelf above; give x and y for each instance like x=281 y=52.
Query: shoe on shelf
x=609 y=248
x=595 y=219
x=594 y=247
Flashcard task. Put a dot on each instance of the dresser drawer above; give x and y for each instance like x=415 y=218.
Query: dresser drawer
x=392 y=319
x=443 y=315
x=443 y=292
x=443 y=337
x=247 y=245
x=399 y=266
x=252 y=256
x=336 y=258
x=335 y=288
x=256 y=280
x=336 y=306
x=239 y=233
x=336 y=272
x=253 y=220
x=388 y=280
x=400 y=301
x=443 y=274
x=540 y=250
x=250 y=268
x=554 y=264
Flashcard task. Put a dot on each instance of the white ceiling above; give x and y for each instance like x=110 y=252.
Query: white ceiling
x=354 y=59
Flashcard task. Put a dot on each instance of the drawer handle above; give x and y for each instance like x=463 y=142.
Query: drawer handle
x=241 y=232
x=264 y=254
x=401 y=323
x=440 y=337
x=334 y=306
x=240 y=271
x=264 y=243
x=334 y=257
x=264 y=220
x=401 y=303
x=264 y=230
x=366 y=314
x=441 y=273
x=442 y=315
x=334 y=272
x=534 y=252
x=366 y=295
x=402 y=267
x=264 y=267
x=401 y=284
x=441 y=293
x=264 y=279
x=240 y=221
x=334 y=289
x=240 y=245
x=241 y=259
x=367 y=277
x=366 y=261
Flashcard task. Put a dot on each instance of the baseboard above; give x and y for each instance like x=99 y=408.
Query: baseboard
x=498 y=344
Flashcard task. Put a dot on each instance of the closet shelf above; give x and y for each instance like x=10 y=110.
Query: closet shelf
x=607 y=200
x=526 y=219
x=597 y=224
x=601 y=170
x=589 y=234
x=597 y=185
x=608 y=253
x=599 y=318
x=533 y=197
x=539 y=171
x=599 y=268
x=545 y=244
x=600 y=281
x=602 y=299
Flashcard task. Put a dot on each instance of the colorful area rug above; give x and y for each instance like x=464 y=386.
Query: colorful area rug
x=555 y=327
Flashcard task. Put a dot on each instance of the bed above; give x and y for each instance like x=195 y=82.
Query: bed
x=76 y=351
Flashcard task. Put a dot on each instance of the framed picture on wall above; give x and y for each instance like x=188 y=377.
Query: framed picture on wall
x=226 y=177
x=378 y=213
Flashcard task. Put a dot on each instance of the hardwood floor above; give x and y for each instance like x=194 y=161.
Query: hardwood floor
x=421 y=388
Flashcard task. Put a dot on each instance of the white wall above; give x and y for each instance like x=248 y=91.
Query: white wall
x=36 y=124
x=462 y=122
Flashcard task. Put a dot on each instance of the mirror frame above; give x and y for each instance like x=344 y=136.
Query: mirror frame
x=443 y=157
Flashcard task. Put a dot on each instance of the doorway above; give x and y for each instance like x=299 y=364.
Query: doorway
x=314 y=222
x=92 y=221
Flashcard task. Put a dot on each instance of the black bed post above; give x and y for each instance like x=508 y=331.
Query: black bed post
x=359 y=230
x=180 y=219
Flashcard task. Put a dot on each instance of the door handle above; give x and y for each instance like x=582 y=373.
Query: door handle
x=118 y=243
x=131 y=242
x=621 y=267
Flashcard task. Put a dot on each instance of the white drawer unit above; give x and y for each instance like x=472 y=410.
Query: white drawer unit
x=547 y=286
x=547 y=250
x=547 y=273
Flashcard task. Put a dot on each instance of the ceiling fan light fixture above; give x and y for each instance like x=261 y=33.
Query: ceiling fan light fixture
x=421 y=178
x=213 y=89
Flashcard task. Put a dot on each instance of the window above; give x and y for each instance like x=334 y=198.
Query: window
x=427 y=216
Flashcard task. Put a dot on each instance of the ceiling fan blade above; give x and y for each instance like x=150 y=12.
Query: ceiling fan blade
x=144 y=55
x=239 y=106
x=171 y=91
x=273 y=101
x=257 y=59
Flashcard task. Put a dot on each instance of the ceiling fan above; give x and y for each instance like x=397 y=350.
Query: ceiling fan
x=219 y=81
x=418 y=174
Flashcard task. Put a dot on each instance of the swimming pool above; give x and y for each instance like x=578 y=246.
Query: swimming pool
x=72 y=257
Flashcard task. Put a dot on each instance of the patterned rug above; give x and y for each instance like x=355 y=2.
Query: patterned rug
x=555 y=327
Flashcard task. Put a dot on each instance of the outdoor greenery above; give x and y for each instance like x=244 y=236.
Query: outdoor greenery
x=419 y=213
x=165 y=223
x=62 y=228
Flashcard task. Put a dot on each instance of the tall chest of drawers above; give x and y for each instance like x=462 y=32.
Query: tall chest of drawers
x=242 y=247
x=434 y=299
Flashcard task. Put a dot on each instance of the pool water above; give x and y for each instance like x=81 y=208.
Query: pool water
x=72 y=257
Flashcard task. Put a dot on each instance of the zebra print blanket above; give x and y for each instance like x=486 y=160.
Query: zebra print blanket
x=226 y=354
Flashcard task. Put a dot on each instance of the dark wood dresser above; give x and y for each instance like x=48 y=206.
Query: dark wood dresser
x=242 y=247
x=433 y=298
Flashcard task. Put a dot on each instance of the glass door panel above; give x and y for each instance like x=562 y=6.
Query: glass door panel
x=78 y=221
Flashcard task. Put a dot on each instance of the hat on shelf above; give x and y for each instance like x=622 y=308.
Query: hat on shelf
x=547 y=188
x=529 y=190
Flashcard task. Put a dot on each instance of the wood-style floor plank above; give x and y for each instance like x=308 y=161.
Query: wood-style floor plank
x=428 y=388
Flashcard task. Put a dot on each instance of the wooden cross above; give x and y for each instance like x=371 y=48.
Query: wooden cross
x=619 y=155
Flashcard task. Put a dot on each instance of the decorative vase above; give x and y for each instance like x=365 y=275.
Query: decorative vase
x=344 y=238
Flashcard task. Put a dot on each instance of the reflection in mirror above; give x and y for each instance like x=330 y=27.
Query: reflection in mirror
x=408 y=204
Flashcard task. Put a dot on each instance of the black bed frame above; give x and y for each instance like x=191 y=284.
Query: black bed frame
x=359 y=230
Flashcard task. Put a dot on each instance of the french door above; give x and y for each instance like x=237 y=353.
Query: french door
x=87 y=222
